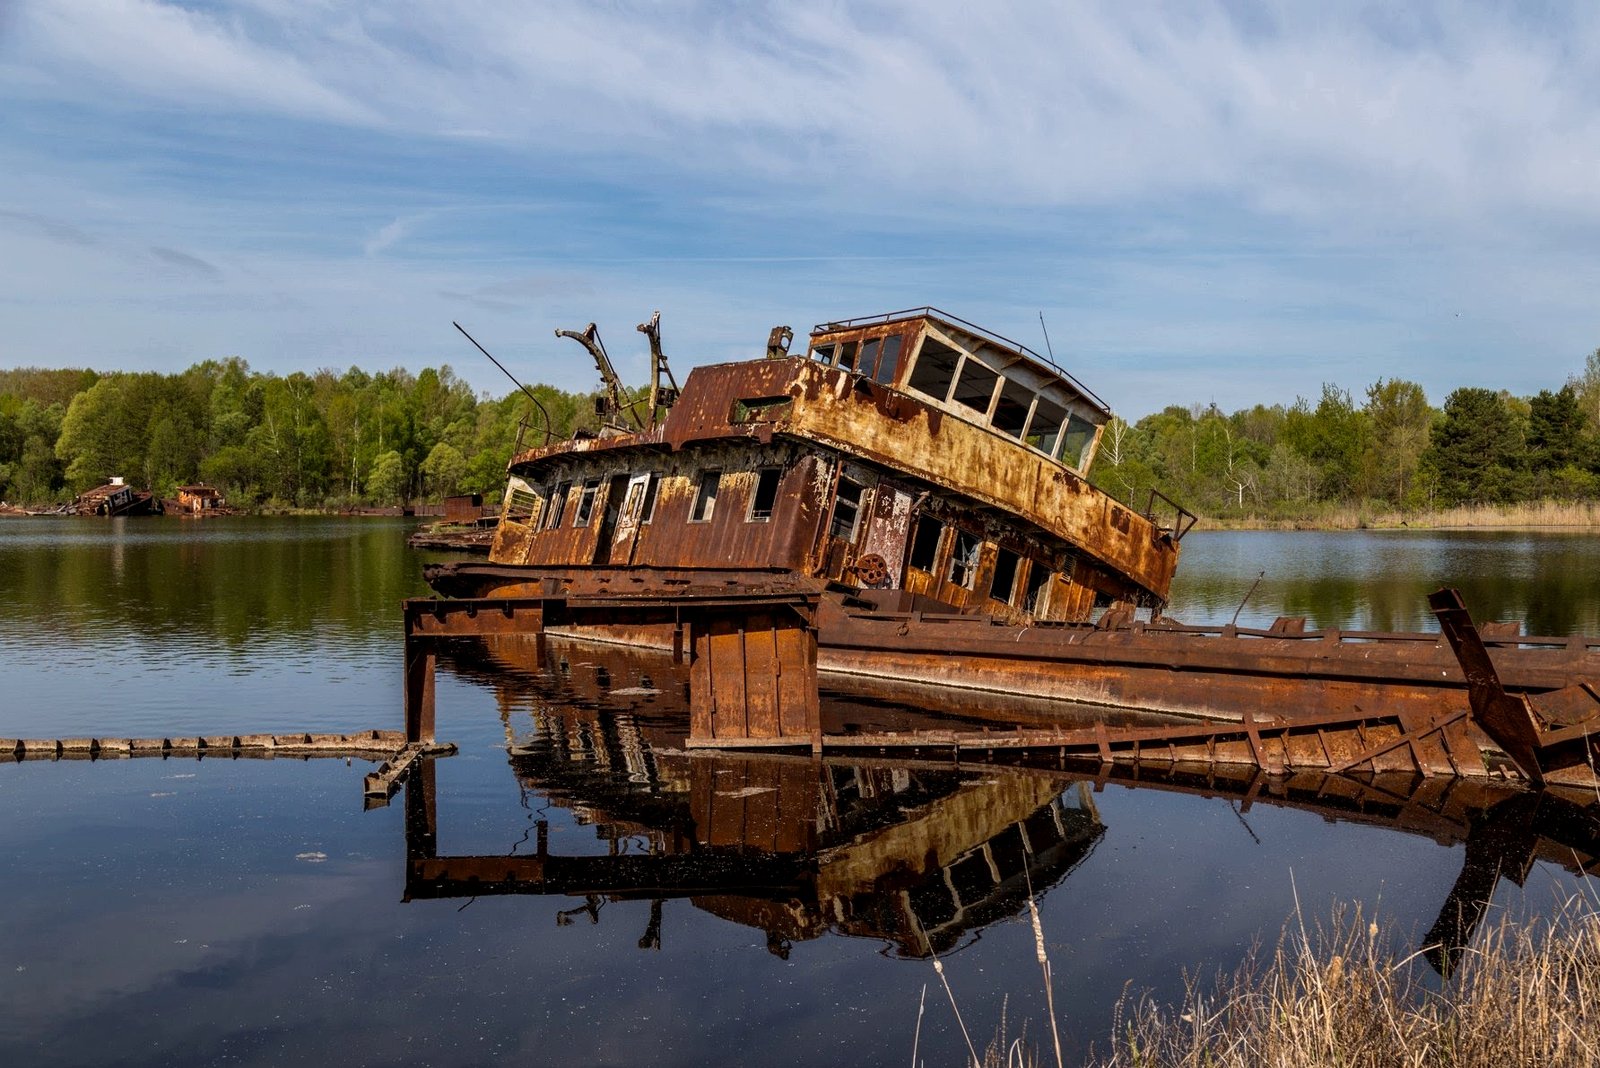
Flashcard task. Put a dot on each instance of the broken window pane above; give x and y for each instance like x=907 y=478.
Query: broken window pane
x=925 y=543
x=975 y=388
x=935 y=368
x=558 y=504
x=1038 y=581
x=1011 y=410
x=765 y=497
x=1005 y=575
x=705 y=497
x=846 y=508
x=591 y=489
x=964 y=559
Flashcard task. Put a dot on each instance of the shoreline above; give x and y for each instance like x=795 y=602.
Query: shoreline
x=1537 y=515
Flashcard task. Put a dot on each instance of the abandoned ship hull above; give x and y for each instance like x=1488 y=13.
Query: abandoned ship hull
x=906 y=512
x=1027 y=674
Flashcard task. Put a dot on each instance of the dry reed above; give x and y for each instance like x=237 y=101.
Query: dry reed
x=1526 y=994
x=1574 y=515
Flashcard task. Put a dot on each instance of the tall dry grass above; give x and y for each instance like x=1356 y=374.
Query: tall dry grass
x=1578 y=515
x=1524 y=995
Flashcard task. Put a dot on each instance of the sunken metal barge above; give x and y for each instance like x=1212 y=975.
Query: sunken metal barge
x=905 y=511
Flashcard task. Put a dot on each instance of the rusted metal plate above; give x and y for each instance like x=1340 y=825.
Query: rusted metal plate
x=753 y=681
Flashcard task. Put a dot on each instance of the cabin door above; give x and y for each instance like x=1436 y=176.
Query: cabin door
x=624 y=503
x=888 y=526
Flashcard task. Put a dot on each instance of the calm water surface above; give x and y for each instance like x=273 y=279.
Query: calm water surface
x=688 y=910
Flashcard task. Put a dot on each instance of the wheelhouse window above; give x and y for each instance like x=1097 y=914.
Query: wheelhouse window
x=935 y=368
x=1011 y=410
x=705 y=497
x=964 y=559
x=558 y=504
x=1033 y=593
x=925 y=542
x=975 y=386
x=879 y=356
x=1078 y=438
x=1004 y=583
x=824 y=353
x=765 y=497
x=1044 y=432
x=846 y=509
x=585 y=512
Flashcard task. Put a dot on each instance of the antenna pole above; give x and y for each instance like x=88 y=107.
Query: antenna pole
x=1046 y=330
x=509 y=375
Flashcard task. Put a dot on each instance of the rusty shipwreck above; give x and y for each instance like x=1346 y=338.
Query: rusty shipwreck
x=905 y=512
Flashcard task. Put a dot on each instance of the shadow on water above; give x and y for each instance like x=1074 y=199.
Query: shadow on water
x=920 y=853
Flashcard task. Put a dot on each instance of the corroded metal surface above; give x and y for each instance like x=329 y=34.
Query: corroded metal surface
x=753 y=656
x=803 y=419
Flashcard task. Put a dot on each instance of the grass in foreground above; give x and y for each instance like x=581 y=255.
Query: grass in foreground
x=1524 y=994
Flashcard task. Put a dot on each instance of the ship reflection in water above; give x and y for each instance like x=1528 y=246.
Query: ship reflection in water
x=919 y=853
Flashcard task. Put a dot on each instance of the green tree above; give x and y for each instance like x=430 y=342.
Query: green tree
x=1555 y=429
x=386 y=481
x=1474 y=448
x=1400 y=419
x=444 y=468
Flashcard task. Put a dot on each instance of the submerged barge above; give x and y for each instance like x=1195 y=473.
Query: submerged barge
x=905 y=509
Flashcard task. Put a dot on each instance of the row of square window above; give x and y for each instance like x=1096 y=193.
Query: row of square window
x=965 y=554
x=954 y=376
x=762 y=501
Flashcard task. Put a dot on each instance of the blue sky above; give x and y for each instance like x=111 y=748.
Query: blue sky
x=1207 y=202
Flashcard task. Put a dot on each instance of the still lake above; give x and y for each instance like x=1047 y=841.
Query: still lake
x=721 y=910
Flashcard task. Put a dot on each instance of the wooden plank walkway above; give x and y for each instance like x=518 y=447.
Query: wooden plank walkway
x=372 y=744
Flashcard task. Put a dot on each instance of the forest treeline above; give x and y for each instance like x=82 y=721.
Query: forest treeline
x=330 y=439
x=320 y=440
x=1389 y=450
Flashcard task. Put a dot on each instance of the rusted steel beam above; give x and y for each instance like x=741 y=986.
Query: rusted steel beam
x=1327 y=743
x=1504 y=717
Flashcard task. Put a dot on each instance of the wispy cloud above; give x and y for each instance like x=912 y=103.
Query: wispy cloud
x=185 y=262
x=1286 y=193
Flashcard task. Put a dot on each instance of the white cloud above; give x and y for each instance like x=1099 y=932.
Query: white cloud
x=1303 y=109
x=1293 y=193
x=172 y=54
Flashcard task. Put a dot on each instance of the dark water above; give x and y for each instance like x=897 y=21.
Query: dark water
x=656 y=907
